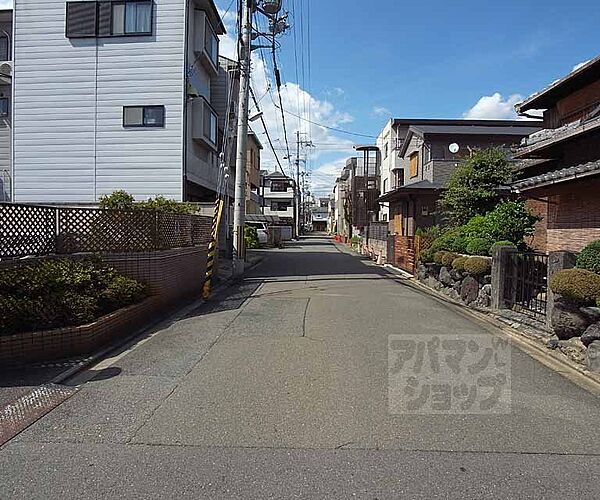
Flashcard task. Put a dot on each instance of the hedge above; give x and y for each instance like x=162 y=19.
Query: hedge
x=478 y=265
x=589 y=257
x=57 y=293
x=578 y=285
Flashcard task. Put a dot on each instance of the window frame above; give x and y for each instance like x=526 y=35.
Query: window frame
x=125 y=34
x=7 y=114
x=211 y=31
x=413 y=172
x=212 y=112
x=8 y=51
x=282 y=184
x=144 y=124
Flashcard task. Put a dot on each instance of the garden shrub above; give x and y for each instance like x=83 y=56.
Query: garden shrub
x=426 y=256
x=589 y=257
x=502 y=244
x=479 y=246
x=438 y=257
x=122 y=200
x=577 y=285
x=58 y=293
x=459 y=263
x=118 y=200
x=478 y=265
x=448 y=258
x=251 y=237
x=452 y=240
x=511 y=221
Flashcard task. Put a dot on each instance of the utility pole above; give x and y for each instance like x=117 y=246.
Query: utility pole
x=239 y=209
x=298 y=194
x=269 y=8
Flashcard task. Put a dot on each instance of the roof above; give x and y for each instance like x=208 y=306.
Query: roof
x=254 y=137
x=558 y=176
x=456 y=121
x=577 y=79
x=517 y=128
x=413 y=188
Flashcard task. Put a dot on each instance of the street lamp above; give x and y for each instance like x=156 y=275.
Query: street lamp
x=271 y=6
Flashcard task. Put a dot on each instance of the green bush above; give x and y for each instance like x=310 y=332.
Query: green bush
x=589 y=257
x=251 y=237
x=452 y=240
x=448 y=258
x=478 y=265
x=122 y=200
x=427 y=256
x=432 y=231
x=510 y=221
x=438 y=257
x=459 y=263
x=479 y=246
x=57 y=293
x=502 y=244
x=578 y=285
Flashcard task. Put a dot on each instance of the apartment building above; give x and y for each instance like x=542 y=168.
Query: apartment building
x=115 y=95
x=277 y=192
x=5 y=103
x=253 y=199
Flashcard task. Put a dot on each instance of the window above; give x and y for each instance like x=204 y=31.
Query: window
x=4 y=49
x=279 y=186
x=211 y=44
x=144 y=116
x=3 y=106
x=398 y=178
x=386 y=149
x=280 y=206
x=133 y=17
x=414 y=165
x=109 y=18
x=210 y=124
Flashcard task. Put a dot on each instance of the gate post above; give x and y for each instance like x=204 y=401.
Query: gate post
x=500 y=270
x=557 y=261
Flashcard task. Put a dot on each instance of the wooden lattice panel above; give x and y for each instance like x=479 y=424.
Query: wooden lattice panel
x=93 y=230
x=27 y=230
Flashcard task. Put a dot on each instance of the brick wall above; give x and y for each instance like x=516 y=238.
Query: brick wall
x=573 y=215
x=539 y=242
x=404 y=247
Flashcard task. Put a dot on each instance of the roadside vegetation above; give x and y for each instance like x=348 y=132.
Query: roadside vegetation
x=58 y=293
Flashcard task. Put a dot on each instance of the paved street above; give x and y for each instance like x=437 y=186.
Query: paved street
x=279 y=389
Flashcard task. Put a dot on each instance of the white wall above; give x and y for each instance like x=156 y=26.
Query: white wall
x=69 y=140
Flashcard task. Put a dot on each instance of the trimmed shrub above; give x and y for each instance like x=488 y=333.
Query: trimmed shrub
x=577 y=285
x=598 y=302
x=459 y=263
x=118 y=200
x=426 y=256
x=58 y=293
x=438 y=257
x=589 y=257
x=448 y=258
x=479 y=246
x=453 y=240
x=502 y=244
x=122 y=200
x=478 y=265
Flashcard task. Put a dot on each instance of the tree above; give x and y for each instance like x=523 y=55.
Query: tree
x=474 y=186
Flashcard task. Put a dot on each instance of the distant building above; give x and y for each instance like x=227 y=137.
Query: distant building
x=277 y=192
x=253 y=198
x=560 y=168
x=342 y=195
x=428 y=153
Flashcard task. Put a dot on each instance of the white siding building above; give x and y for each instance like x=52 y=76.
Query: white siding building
x=5 y=103
x=277 y=192
x=114 y=95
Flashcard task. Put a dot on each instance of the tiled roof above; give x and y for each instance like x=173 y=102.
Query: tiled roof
x=563 y=175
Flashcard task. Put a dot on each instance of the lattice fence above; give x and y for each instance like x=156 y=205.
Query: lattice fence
x=37 y=230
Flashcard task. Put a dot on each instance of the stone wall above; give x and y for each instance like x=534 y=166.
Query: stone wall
x=473 y=291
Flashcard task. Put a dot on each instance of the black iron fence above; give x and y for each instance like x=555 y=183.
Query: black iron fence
x=33 y=230
x=526 y=285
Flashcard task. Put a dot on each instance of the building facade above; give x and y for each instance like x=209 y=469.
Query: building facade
x=5 y=103
x=277 y=192
x=560 y=165
x=115 y=95
x=253 y=199
x=429 y=153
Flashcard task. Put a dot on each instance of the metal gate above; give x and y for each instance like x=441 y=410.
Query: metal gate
x=526 y=282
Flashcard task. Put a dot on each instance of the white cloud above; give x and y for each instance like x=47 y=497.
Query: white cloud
x=6 y=4
x=381 y=111
x=494 y=107
x=297 y=101
x=580 y=65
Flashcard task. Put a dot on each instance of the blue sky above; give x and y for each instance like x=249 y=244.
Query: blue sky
x=371 y=61
x=374 y=60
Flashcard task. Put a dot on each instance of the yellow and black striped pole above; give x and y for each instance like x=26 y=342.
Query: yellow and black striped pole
x=213 y=248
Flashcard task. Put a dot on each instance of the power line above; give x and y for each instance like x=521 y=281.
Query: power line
x=341 y=131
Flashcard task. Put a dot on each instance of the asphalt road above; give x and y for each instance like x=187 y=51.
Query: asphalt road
x=287 y=387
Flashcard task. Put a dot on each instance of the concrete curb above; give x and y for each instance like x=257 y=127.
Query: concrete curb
x=551 y=359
